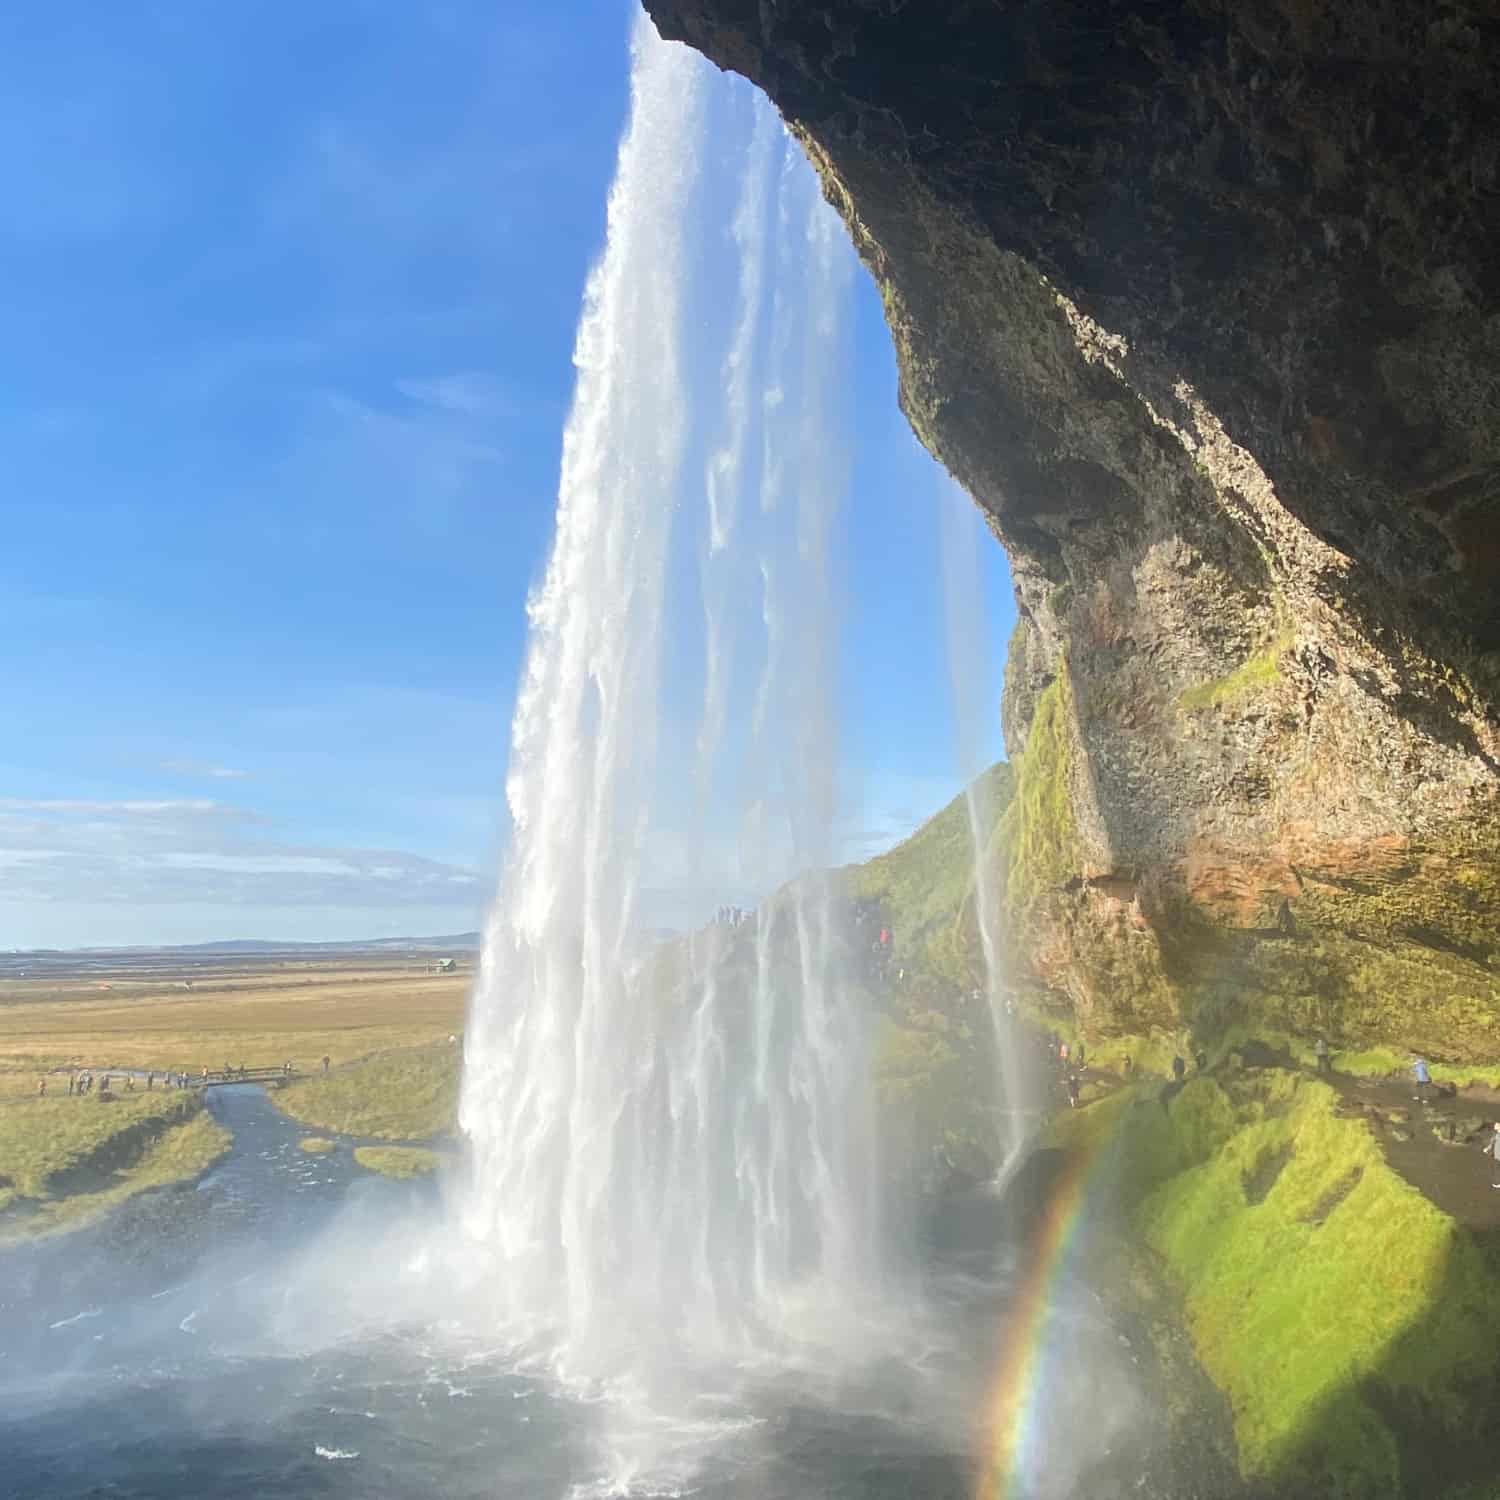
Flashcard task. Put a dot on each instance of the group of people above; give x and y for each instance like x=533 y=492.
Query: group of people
x=1071 y=1061
x=84 y=1082
x=732 y=916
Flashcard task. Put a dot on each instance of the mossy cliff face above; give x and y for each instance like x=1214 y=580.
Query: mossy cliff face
x=1200 y=304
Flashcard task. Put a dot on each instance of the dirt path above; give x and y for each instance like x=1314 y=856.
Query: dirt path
x=1434 y=1144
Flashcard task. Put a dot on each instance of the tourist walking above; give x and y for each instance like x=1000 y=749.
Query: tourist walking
x=1491 y=1149
x=1179 y=1068
x=1424 y=1078
x=41 y=1088
x=1072 y=1091
x=1320 y=1052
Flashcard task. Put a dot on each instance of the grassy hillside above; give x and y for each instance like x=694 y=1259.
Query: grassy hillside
x=407 y=1095
x=934 y=1060
x=925 y=885
x=1350 y=1322
x=66 y=1159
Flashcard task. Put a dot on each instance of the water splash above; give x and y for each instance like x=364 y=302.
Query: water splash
x=671 y=1145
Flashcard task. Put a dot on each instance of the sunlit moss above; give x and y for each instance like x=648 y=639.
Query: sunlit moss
x=1321 y=1290
x=1038 y=834
x=1255 y=673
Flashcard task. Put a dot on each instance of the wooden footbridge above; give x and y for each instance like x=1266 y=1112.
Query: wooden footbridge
x=216 y=1078
x=194 y=1078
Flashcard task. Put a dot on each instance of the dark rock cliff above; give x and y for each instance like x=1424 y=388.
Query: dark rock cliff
x=1201 y=302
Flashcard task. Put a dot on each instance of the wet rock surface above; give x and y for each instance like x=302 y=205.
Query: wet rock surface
x=1199 y=304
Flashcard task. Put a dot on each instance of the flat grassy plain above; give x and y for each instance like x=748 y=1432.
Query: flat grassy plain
x=281 y=1013
x=383 y=1023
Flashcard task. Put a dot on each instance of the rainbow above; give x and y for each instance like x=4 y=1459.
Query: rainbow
x=1020 y=1377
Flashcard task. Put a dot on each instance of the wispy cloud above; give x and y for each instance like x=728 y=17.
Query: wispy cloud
x=131 y=808
x=144 y=852
x=416 y=461
x=203 y=768
x=471 y=392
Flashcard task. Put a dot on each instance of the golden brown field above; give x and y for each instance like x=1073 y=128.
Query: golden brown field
x=247 y=1014
x=65 y=1159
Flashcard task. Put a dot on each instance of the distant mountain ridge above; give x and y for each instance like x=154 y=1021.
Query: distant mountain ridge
x=462 y=940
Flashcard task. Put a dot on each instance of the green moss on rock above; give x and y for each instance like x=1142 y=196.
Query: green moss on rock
x=928 y=1062
x=1334 y=1304
x=1253 y=675
x=1038 y=834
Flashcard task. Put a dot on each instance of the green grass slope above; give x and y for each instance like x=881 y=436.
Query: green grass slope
x=410 y=1094
x=933 y=1060
x=66 y=1160
x=925 y=885
x=1352 y=1324
x=398 y=1161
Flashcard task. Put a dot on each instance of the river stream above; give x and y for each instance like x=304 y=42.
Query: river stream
x=260 y=1333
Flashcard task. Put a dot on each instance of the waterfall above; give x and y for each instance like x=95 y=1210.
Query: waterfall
x=671 y=1140
x=969 y=669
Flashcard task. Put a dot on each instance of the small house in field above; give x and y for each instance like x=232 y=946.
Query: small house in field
x=445 y=966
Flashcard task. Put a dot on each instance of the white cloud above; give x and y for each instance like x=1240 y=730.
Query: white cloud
x=171 y=852
x=420 y=462
x=471 y=392
x=202 y=768
x=260 y=864
x=127 y=809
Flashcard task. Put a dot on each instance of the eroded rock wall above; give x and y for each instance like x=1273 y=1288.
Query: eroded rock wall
x=1202 y=305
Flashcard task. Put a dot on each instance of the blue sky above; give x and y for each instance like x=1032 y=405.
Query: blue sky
x=289 y=296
